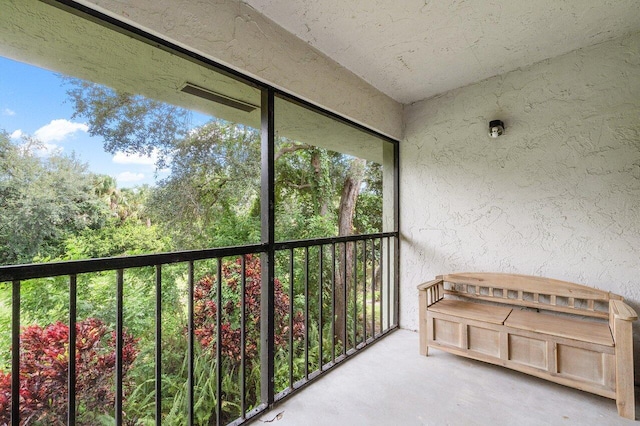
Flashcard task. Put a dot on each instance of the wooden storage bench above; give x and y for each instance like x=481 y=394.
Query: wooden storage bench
x=567 y=333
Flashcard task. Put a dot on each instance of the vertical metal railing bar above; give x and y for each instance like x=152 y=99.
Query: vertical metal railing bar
x=389 y=295
x=381 y=295
x=320 y=286
x=373 y=289
x=190 y=345
x=333 y=302
x=291 y=348
x=364 y=290
x=219 y=342
x=15 y=353
x=355 y=294
x=344 y=295
x=396 y=281
x=267 y=236
x=119 y=343
x=396 y=227
x=306 y=313
x=158 y=354
x=243 y=336
x=71 y=378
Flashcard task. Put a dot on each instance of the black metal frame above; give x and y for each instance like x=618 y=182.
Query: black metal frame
x=267 y=249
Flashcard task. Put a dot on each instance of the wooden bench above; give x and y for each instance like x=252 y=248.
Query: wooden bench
x=582 y=340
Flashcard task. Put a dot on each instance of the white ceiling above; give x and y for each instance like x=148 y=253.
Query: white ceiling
x=414 y=49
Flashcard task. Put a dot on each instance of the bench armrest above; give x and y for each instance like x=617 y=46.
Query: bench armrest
x=430 y=292
x=428 y=284
x=622 y=311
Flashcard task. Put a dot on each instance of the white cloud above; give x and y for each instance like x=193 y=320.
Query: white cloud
x=17 y=134
x=129 y=177
x=8 y=112
x=139 y=159
x=58 y=130
x=122 y=158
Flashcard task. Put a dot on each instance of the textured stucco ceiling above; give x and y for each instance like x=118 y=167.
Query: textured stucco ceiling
x=38 y=34
x=414 y=49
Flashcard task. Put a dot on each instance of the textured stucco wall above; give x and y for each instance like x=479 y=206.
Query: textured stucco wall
x=236 y=35
x=558 y=195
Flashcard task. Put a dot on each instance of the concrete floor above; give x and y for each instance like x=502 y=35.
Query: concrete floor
x=391 y=384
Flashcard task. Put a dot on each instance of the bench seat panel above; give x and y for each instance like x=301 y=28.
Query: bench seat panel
x=470 y=310
x=585 y=331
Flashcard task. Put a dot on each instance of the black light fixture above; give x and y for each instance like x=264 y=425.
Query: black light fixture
x=210 y=95
x=496 y=128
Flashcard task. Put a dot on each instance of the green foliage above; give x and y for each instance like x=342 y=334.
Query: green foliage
x=128 y=123
x=210 y=197
x=116 y=239
x=308 y=185
x=43 y=200
x=368 y=215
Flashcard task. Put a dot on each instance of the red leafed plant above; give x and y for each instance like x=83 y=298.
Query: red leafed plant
x=205 y=309
x=44 y=361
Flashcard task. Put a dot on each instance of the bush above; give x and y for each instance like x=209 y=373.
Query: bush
x=44 y=368
x=205 y=310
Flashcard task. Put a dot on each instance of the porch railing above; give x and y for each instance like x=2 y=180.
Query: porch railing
x=331 y=298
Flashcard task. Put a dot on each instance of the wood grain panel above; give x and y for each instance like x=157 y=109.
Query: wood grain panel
x=581 y=364
x=447 y=332
x=528 y=351
x=484 y=341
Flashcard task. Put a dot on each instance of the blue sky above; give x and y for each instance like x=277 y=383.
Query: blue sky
x=33 y=102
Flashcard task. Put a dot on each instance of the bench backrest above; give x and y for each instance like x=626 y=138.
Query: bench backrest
x=530 y=291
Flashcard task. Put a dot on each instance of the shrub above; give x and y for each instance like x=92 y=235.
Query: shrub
x=205 y=310
x=44 y=361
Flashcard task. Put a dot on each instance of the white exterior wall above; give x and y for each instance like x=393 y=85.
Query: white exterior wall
x=558 y=195
x=234 y=34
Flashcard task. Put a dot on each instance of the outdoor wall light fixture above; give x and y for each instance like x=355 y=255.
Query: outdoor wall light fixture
x=496 y=128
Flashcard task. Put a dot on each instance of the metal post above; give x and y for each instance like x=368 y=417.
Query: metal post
x=267 y=205
x=320 y=285
x=71 y=379
x=306 y=313
x=364 y=290
x=333 y=303
x=190 y=343
x=291 y=348
x=158 y=354
x=243 y=336
x=119 y=344
x=219 y=342
x=15 y=354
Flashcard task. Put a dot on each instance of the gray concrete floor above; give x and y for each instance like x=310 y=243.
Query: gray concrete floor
x=391 y=384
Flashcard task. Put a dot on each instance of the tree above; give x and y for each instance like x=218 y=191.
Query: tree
x=211 y=197
x=43 y=200
x=350 y=192
x=129 y=123
x=214 y=178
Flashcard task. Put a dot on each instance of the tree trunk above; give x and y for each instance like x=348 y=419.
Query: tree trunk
x=346 y=214
x=321 y=196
